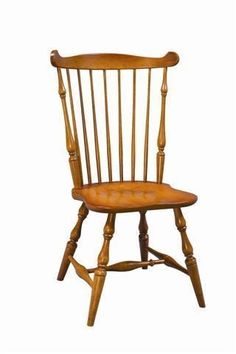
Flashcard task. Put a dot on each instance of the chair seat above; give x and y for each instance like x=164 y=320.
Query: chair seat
x=132 y=196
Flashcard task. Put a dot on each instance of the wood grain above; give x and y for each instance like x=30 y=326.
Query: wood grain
x=131 y=265
x=143 y=237
x=81 y=271
x=132 y=196
x=108 y=138
x=120 y=127
x=112 y=61
x=74 y=159
x=76 y=140
x=190 y=260
x=146 y=139
x=168 y=260
x=161 y=142
x=100 y=273
x=85 y=135
x=95 y=129
x=72 y=243
x=133 y=138
x=124 y=195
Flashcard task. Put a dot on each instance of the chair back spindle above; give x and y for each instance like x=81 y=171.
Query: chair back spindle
x=109 y=161
x=133 y=142
x=145 y=159
x=120 y=128
x=86 y=147
x=161 y=142
x=95 y=130
x=85 y=136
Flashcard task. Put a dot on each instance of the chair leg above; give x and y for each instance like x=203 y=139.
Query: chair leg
x=190 y=261
x=143 y=237
x=100 y=272
x=72 y=243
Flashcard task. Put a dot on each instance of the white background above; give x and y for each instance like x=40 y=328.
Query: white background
x=140 y=311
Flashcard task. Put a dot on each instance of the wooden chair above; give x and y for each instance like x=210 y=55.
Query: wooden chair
x=125 y=194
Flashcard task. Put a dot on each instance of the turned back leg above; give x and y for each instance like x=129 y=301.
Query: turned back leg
x=143 y=237
x=72 y=243
x=190 y=260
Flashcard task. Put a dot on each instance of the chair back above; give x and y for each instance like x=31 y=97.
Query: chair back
x=101 y=126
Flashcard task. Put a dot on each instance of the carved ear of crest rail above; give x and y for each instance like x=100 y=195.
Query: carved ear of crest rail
x=167 y=260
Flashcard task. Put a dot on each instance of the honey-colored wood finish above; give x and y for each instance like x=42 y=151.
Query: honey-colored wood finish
x=125 y=194
x=120 y=127
x=81 y=271
x=168 y=260
x=145 y=160
x=100 y=273
x=109 y=160
x=112 y=61
x=72 y=243
x=133 y=140
x=95 y=130
x=190 y=260
x=126 y=266
x=132 y=196
x=161 y=143
x=74 y=160
x=85 y=135
x=143 y=237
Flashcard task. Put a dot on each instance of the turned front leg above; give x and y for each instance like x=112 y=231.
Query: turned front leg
x=143 y=237
x=72 y=243
x=190 y=260
x=100 y=273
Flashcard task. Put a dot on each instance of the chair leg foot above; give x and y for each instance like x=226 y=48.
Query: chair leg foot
x=72 y=243
x=98 y=283
x=191 y=262
x=100 y=273
x=143 y=237
x=192 y=267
